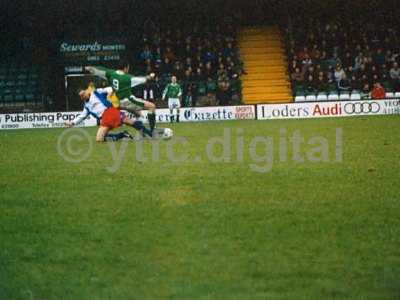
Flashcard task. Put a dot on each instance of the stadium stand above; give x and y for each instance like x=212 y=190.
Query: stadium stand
x=21 y=86
x=342 y=58
x=340 y=55
x=204 y=57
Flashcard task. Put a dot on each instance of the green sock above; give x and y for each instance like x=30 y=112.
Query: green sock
x=152 y=120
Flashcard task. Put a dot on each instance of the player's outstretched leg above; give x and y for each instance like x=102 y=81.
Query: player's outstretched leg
x=139 y=126
x=151 y=114
x=151 y=107
x=103 y=135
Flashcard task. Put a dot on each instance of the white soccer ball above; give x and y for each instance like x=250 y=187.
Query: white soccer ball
x=167 y=134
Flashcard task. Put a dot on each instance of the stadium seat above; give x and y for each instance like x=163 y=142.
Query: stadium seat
x=10 y=83
x=355 y=96
x=389 y=95
x=8 y=99
x=300 y=98
x=311 y=98
x=344 y=96
x=22 y=76
x=322 y=97
x=387 y=86
x=19 y=97
x=333 y=97
x=21 y=83
x=29 y=98
x=33 y=76
x=397 y=95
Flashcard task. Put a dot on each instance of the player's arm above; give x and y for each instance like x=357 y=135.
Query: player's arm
x=107 y=90
x=180 y=92
x=165 y=92
x=98 y=71
x=82 y=116
x=138 y=80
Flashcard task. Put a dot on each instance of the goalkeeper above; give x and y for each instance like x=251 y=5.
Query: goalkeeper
x=122 y=84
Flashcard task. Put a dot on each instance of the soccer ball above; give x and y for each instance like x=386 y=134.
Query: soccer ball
x=167 y=134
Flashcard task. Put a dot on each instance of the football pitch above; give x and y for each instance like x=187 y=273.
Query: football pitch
x=224 y=210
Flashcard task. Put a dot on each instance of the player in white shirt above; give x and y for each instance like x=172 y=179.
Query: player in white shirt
x=108 y=117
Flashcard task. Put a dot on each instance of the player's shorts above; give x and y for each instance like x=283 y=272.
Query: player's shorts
x=112 y=118
x=174 y=103
x=132 y=105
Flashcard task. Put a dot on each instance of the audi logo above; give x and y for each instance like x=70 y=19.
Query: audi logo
x=357 y=108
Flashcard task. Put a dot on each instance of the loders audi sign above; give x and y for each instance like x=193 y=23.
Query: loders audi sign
x=328 y=109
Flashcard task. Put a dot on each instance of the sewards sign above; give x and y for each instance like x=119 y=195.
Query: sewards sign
x=327 y=109
x=90 y=52
x=58 y=119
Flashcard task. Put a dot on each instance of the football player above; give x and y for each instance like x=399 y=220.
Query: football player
x=173 y=92
x=122 y=84
x=108 y=117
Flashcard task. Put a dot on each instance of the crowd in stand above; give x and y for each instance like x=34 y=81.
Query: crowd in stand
x=205 y=60
x=338 y=54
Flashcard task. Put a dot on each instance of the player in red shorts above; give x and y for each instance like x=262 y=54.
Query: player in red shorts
x=108 y=117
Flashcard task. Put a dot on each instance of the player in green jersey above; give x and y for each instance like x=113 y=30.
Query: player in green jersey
x=122 y=83
x=173 y=92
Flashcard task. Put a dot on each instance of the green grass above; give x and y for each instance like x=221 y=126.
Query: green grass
x=203 y=230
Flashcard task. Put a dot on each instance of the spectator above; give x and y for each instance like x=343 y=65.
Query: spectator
x=167 y=66
x=384 y=72
x=347 y=60
x=294 y=64
x=303 y=54
x=169 y=54
x=395 y=76
x=311 y=85
x=209 y=70
x=310 y=71
x=158 y=55
x=355 y=84
x=315 y=53
x=306 y=62
x=321 y=83
x=339 y=73
x=297 y=76
x=378 y=92
x=224 y=94
x=358 y=61
x=188 y=97
x=209 y=56
x=365 y=92
x=379 y=57
x=344 y=84
x=146 y=54
x=178 y=70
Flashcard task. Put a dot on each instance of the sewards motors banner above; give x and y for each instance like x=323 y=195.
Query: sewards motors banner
x=91 y=52
x=327 y=109
x=58 y=119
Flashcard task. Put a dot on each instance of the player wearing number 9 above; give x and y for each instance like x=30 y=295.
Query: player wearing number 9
x=122 y=84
